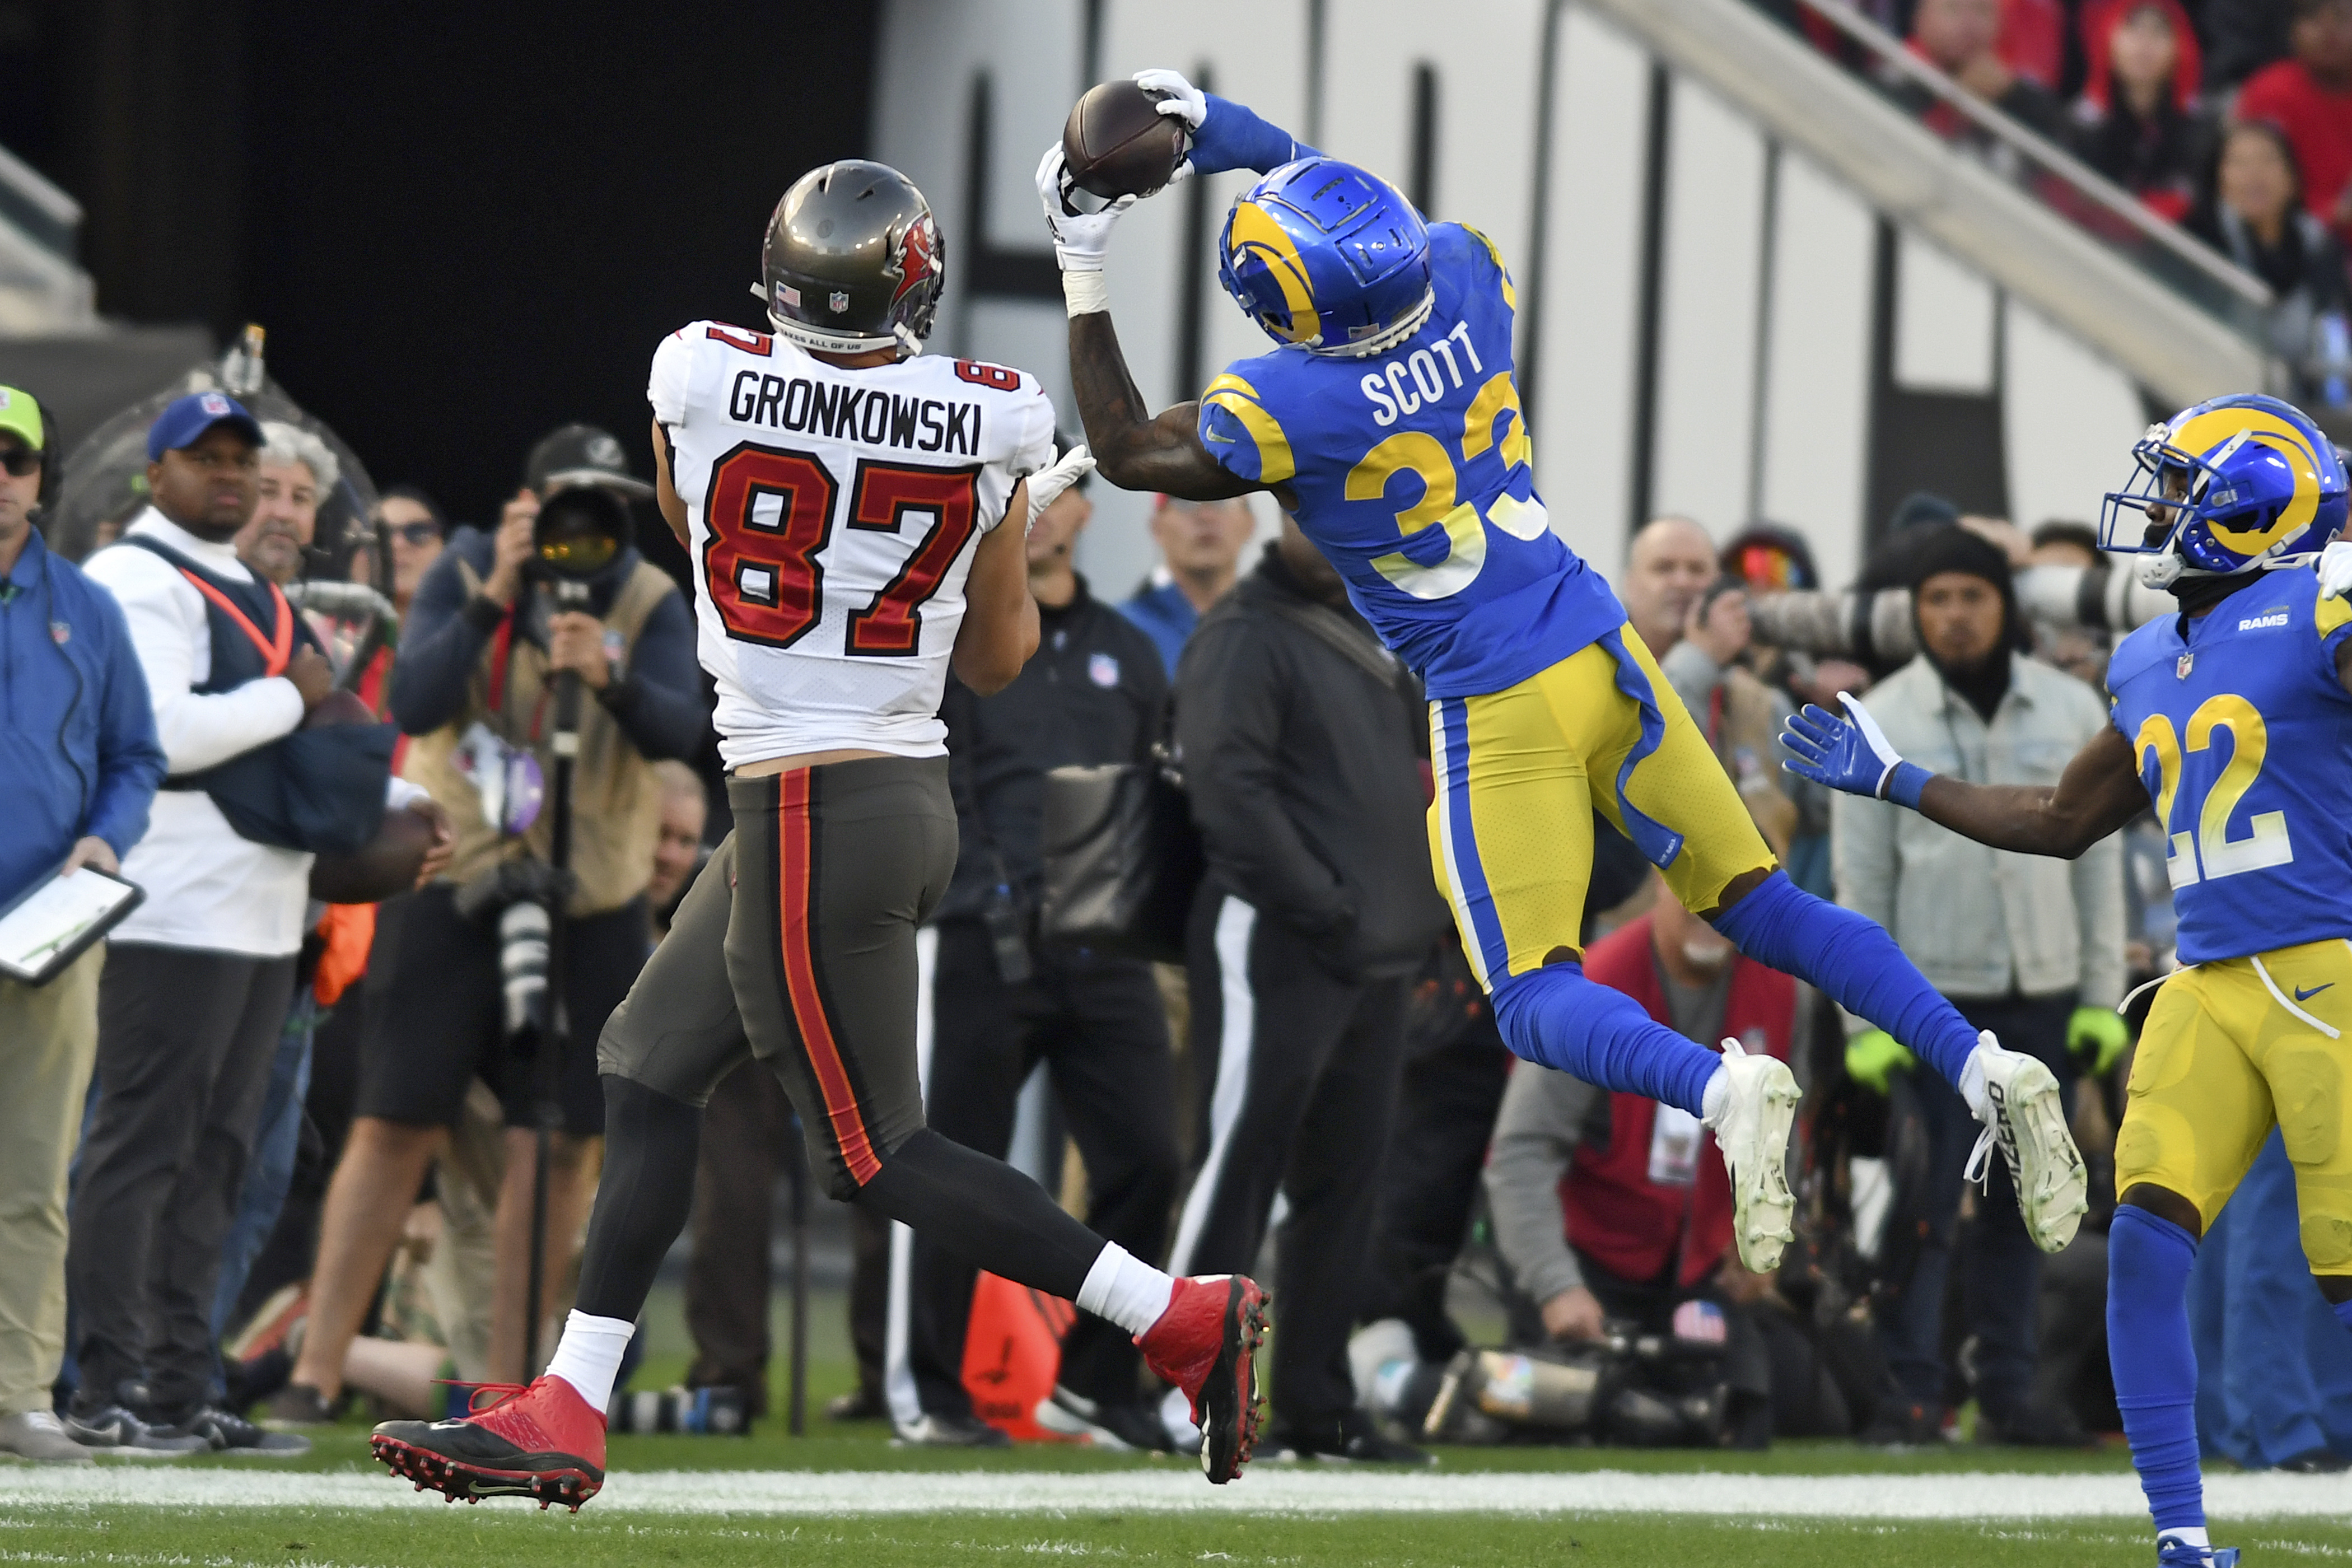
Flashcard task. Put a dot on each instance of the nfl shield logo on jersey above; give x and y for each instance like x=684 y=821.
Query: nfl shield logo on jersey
x=2181 y=667
x=1103 y=670
x=840 y=300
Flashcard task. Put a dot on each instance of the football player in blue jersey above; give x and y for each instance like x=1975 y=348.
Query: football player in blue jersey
x=2235 y=719
x=1387 y=421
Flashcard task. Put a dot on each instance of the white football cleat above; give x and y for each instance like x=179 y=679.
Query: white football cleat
x=2017 y=1098
x=1752 y=1132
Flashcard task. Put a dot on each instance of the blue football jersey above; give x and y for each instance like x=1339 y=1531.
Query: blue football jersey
x=2245 y=739
x=1413 y=478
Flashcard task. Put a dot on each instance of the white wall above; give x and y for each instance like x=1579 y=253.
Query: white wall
x=1706 y=322
x=1765 y=318
x=1582 y=413
x=1814 y=437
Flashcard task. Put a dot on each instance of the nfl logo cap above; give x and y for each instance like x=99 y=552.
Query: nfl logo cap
x=20 y=417
x=185 y=420
x=581 y=454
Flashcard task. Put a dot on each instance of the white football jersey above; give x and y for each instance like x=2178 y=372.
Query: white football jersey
x=833 y=515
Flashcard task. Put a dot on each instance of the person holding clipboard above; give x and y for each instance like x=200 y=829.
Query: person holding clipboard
x=79 y=767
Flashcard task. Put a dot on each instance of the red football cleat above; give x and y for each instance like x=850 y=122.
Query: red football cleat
x=544 y=1442
x=1206 y=1344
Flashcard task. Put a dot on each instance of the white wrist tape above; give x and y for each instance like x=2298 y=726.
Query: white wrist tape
x=1085 y=293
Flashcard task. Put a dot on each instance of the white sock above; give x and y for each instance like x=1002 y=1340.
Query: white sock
x=2187 y=1535
x=1717 y=1100
x=1129 y=1293
x=1973 y=1077
x=588 y=1357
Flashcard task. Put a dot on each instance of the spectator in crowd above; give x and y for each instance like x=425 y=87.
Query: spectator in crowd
x=481 y=660
x=2031 y=949
x=1694 y=620
x=679 y=852
x=2308 y=96
x=1302 y=741
x=2241 y=36
x=79 y=767
x=2033 y=40
x=2135 y=121
x=416 y=530
x=2252 y=213
x=1200 y=554
x=1669 y=565
x=1003 y=1001
x=1614 y=1208
x=1963 y=38
x=296 y=471
x=199 y=977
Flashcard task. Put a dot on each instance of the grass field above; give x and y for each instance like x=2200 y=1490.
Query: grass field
x=844 y=1495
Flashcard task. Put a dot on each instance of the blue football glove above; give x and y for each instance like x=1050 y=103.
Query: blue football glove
x=1225 y=135
x=1850 y=754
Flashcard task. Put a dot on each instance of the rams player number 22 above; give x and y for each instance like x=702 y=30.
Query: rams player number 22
x=2234 y=718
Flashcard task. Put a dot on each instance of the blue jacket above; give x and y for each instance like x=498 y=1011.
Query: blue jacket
x=1167 y=617
x=657 y=701
x=79 y=755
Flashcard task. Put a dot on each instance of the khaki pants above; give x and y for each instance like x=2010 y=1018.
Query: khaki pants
x=48 y=1044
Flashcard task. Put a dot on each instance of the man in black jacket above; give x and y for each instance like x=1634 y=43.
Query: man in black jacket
x=1095 y=692
x=1302 y=741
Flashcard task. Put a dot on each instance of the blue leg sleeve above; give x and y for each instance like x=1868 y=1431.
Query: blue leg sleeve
x=1852 y=959
x=1556 y=1016
x=2155 y=1367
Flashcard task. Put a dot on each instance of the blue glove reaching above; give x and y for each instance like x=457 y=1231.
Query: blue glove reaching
x=1850 y=754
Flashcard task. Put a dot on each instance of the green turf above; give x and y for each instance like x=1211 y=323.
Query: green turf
x=512 y=1538
x=865 y=1446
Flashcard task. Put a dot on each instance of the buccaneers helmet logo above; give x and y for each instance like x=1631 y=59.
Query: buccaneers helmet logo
x=915 y=259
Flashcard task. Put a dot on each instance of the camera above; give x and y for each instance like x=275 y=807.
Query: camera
x=578 y=531
x=513 y=898
x=1631 y=1388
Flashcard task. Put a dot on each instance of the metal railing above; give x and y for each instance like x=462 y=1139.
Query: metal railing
x=1994 y=196
x=42 y=212
x=2052 y=174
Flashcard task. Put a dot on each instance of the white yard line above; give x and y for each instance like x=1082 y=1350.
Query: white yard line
x=1268 y=1490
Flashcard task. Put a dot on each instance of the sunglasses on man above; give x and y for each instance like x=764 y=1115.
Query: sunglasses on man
x=22 y=462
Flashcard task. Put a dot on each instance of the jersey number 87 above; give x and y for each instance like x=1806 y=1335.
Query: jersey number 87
x=768 y=515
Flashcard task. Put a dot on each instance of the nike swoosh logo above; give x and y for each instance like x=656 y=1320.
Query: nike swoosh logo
x=2303 y=995
x=1226 y=440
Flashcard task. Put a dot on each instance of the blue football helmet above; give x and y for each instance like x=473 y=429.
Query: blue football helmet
x=2235 y=484
x=1326 y=256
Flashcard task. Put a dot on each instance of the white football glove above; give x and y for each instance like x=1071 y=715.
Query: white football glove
x=1080 y=239
x=1184 y=101
x=1046 y=485
x=2336 y=569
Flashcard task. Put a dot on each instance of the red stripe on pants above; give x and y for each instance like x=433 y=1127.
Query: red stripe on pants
x=795 y=869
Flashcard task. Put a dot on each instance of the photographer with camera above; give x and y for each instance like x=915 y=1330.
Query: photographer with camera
x=506 y=632
x=1611 y=1210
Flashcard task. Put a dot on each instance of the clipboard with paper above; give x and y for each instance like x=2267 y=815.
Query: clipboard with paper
x=55 y=921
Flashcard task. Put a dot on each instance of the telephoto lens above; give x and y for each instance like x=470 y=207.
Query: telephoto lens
x=522 y=965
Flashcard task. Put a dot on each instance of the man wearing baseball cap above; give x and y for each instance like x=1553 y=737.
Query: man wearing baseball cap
x=79 y=767
x=199 y=977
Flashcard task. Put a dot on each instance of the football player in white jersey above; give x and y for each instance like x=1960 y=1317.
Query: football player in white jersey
x=843 y=499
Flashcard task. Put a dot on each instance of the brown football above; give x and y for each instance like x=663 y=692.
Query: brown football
x=386 y=864
x=1117 y=144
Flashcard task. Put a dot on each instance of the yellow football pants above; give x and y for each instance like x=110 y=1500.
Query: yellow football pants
x=2230 y=1049
x=1518 y=774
